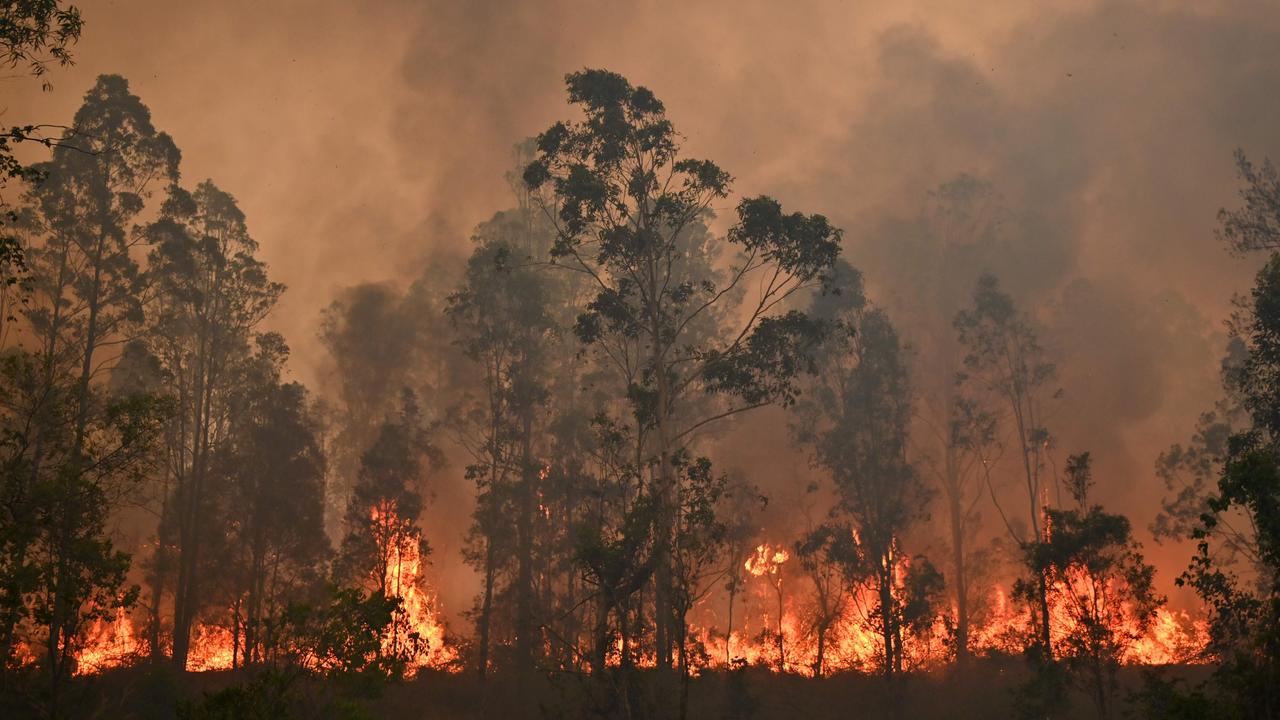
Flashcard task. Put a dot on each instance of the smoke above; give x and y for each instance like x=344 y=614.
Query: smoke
x=365 y=140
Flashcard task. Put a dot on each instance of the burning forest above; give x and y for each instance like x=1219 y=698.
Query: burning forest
x=887 y=362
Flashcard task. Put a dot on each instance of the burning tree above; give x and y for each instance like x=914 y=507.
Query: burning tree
x=856 y=421
x=383 y=549
x=630 y=214
x=1101 y=592
x=767 y=563
x=828 y=555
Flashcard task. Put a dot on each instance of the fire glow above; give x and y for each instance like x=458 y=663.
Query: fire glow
x=782 y=639
x=416 y=631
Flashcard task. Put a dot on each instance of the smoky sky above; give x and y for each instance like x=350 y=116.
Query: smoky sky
x=364 y=140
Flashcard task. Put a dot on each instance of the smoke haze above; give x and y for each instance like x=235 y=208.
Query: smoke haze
x=364 y=141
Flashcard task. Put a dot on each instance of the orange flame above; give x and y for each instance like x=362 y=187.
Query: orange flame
x=416 y=627
x=109 y=644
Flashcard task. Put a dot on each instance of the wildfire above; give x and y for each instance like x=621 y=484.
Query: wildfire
x=212 y=648
x=766 y=561
x=109 y=644
x=416 y=629
x=853 y=643
x=779 y=628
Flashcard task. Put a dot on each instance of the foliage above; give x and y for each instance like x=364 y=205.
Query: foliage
x=37 y=31
x=856 y=422
x=1099 y=583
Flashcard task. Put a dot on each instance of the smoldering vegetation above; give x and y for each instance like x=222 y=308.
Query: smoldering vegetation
x=631 y=362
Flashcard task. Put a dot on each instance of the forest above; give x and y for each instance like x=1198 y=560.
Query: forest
x=651 y=437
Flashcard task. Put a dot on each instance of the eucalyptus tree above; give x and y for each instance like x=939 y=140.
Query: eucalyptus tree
x=274 y=501
x=629 y=211
x=211 y=293
x=1101 y=583
x=1244 y=607
x=73 y=445
x=931 y=267
x=501 y=318
x=1004 y=359
x=855 y=419
x=32 y=33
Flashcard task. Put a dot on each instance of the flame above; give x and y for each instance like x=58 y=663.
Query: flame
x=852 y=643
x=1174 y=637
x=766 y=561
x=109 y=644
x=416 y=627
x=212 y=648
x=774 y=630
x=416 y=630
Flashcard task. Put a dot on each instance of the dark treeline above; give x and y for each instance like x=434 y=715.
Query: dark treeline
x=164 y=478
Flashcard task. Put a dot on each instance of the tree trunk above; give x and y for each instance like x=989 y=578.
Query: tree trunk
x=959 y=582
x=524 y=532
x=486 y=611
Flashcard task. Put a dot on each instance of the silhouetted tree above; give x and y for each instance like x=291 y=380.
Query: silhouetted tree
x=501 y=318
x=75 y=448
x=274 y=502
x=1099 y=583
x=1004 y=360
x=627 y=209
x=211 y=293
x=855 y=420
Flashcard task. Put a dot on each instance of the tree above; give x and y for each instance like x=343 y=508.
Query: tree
x=742 y=503
x=382 y=535
x=1099 y=583
x=855 y=421
x=1190 y=473
x=628 y=209
x=1240 y=512
x=829 y=555
x=1256 y=226
x=1004 y=359
x=501 y=317
x=60 y=571
x=211 y=294
x=75 y=446
x=936 y=259
x=275 y=504
x=32 y=32
x=1244 y=612
x=614 y=550
x=697 y=547
x=36 y=32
